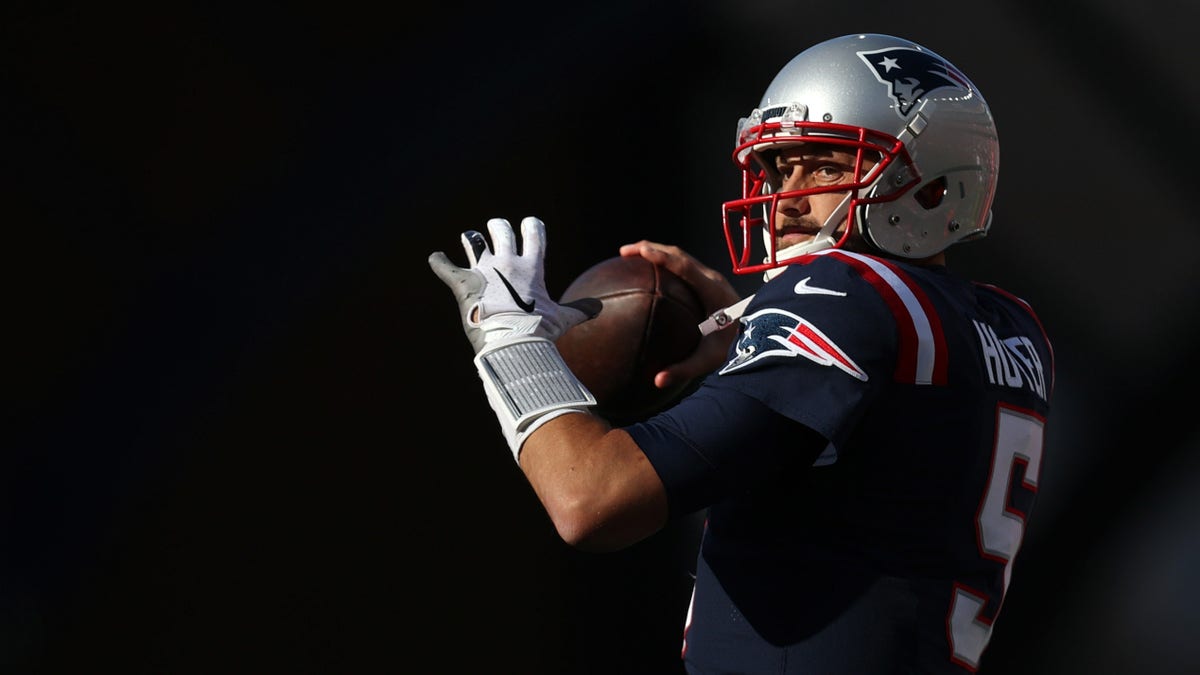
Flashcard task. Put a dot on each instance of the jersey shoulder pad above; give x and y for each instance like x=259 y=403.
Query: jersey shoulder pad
x=878 y=307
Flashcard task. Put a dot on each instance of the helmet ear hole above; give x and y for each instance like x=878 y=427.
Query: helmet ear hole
x=931 y=194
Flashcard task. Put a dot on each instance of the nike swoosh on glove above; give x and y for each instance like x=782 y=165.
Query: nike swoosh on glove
x=502 y=293
x=513 y=324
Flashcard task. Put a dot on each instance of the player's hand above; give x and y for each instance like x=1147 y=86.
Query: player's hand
x=713 y=289
x=502 y=293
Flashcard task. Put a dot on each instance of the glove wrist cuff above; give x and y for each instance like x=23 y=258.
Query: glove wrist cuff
x=528 y=383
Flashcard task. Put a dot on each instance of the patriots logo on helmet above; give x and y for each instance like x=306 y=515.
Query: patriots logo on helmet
x=911 y=75
x=778 y=333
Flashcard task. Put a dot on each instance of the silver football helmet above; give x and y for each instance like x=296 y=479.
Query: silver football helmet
x=918 y=117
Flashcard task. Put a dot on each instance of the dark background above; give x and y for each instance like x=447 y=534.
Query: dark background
x=243 y=432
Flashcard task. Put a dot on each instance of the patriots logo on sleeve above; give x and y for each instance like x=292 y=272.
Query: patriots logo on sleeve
x=778 y=333
x=911 y=75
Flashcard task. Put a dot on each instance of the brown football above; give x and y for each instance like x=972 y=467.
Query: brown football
x=649 y=319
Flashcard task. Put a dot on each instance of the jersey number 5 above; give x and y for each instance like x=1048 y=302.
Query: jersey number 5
x=999 y=527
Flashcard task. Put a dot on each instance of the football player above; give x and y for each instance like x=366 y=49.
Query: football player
x=867 y=441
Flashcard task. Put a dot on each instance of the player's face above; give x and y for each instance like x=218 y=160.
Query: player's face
x=806 y=166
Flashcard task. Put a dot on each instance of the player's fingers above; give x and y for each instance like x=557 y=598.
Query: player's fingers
x=533 y=238
x=713 y=289
x=657 y=253
x=503 y=240
x=462 y=282
x=441 y=266
x=475 y=245
x=671 y=258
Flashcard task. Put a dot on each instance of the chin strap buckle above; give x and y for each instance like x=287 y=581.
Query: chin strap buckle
x=724 y=318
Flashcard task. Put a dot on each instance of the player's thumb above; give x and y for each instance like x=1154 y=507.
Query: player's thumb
x=465 y=284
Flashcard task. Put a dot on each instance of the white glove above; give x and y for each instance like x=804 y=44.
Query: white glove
x=503 y=294
x=512 y=323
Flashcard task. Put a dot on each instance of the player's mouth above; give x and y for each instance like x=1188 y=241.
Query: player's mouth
x=790 y=234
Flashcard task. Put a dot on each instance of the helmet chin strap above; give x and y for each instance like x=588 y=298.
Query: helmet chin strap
x=821 y=240
x=728 y=316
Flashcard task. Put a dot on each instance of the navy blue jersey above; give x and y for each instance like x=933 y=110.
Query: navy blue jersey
x=868 y=455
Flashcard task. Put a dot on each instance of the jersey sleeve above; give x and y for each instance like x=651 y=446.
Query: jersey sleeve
x=813 y=348
x=815 y=345
x=720 y=442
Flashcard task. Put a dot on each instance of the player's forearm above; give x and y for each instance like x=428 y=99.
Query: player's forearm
x=596 y=484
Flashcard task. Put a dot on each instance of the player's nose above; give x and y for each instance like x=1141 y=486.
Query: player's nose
x=793 y=206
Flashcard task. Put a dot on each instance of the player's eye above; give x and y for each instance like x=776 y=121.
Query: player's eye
x=830 y=174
